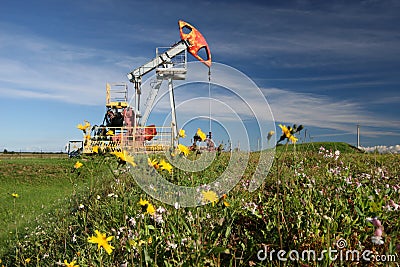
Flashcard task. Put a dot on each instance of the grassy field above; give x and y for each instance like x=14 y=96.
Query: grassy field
x=312 y=199
x=42 y=184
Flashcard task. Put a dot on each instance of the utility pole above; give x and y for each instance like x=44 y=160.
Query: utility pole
x=358 y=135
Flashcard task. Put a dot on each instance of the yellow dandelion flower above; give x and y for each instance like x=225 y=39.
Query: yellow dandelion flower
x=14 y=195
x=200 y=134
x=83 y=127
x=102 y=241
x=285 y=130
x=153 y=163
x=78 y=165
x=183 y=149
x=150 y=209
x=210 y=196
x=146 y=205
x=287 y=133
x=165 y=166
x=124 y=156
x=182 y=133
x=143 y=202
x=293 y=139
x=95 y=149
x=71 y=264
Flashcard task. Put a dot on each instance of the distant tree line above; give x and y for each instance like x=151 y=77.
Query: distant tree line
x=5 y=151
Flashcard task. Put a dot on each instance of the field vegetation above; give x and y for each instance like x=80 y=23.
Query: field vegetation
x=90 y=212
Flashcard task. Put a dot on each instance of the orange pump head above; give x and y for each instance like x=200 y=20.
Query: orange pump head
x=196 y=42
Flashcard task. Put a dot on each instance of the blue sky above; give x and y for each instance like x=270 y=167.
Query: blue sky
x=328 y=65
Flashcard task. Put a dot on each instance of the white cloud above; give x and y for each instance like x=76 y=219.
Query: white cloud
x=36 y=67
x=382 y=149
x=325 y=112
x=309 y=109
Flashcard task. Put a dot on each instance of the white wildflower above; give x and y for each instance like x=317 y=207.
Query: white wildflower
x=377 y=240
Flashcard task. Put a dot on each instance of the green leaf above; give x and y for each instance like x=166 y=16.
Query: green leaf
x=228 y=231
x=219 y=250
x=358 y=211
x=146 y=256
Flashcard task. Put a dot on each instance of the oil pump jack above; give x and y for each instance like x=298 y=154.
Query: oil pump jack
x=125 y=126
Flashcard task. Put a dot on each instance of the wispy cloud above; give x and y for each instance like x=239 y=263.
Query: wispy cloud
x=37 y=67
x=336 y=52
x=310 y=109
x=301 y=35
x=325 y=112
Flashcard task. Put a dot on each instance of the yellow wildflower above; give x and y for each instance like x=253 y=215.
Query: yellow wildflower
x=293 y=139
x=132 y=242
x=102 y=241
x=182 y=133
x=285 y=131
x=83 y=127
x=14 y=195
x=71 y=264
x=270 y=134
x=183 y=149
x=110 y=133
x=224 y=201
x=124 y=156
x=28 y=260
x=153 y=163
x=200 y=134
x=148 y=206
x=95 y=149
x=150 y=209
x=210 y=196
x=78 y=165
x=165 y=166
x=143 y=202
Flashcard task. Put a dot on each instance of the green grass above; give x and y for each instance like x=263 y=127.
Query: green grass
x=42 y=185
x=309 y=200
x=314 y=146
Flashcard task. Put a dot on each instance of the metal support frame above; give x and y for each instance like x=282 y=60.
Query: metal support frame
x=174 y=126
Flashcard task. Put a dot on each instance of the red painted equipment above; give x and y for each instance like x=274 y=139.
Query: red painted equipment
x=196 y=41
